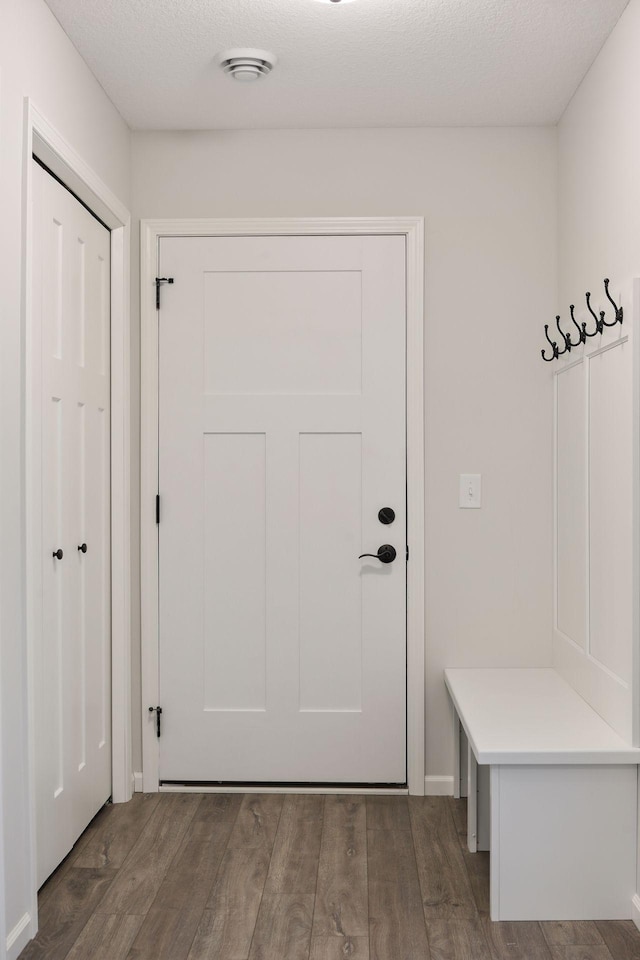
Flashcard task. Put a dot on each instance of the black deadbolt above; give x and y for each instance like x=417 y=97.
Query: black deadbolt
x=386 y=515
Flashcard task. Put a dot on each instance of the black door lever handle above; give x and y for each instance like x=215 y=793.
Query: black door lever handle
x=386 y=554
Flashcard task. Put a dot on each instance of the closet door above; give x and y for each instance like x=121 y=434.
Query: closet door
x=69 y=476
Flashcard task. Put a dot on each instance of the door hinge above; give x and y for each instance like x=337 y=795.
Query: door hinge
x=158 y=282
x=157 y=508
x=158 y=713
x=407 y=553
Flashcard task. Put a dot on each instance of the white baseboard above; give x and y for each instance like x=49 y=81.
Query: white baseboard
x=137 y=783
x=19 y=937
x=438 y=786
x=635 y=910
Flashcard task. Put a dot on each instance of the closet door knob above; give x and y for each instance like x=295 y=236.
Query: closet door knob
x=58 y=554
x=83 y=547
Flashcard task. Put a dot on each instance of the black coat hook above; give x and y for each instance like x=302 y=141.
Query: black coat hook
x=581 y=333
x=618 y=310
x=599 y=326
x=553 y=344
x=564 y=339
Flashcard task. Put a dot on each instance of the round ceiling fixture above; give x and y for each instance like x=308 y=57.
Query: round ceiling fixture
x=246 y=64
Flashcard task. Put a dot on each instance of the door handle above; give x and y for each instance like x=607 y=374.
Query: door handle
x=386 y=554
x=58 y=554
x=83 y=548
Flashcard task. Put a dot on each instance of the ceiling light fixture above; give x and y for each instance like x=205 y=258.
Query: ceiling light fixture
x=246 y=64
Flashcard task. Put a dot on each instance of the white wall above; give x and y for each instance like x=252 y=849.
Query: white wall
x=36 y=60
x=599 y=175
x=489 y=199
x=599 y=169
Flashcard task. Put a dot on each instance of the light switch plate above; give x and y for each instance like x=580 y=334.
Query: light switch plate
x=471 y=491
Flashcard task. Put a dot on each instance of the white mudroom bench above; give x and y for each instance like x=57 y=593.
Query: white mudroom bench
x=551 y=790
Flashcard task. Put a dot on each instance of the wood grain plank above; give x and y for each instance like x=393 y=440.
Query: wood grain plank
x=214 y=811
x=171 y=923
x=435 y=816
x=444 y=881
x=388 y=813
x=396 y=922
x=458 y=940
x=64 y=915
x=563 y=933
x=112 y=837
x=342 y=907
x=256 y=824
x=139 y=879
x=477 y=864
x=228 y=922
x=391 y=857
x=582 y=952
x=160 y=930
x=622 y=937
x=339 y=948
x=294 y=861
x=192 y=873
x=106 y=938
x=517 y=941
x=283 y=928
x=458 y=810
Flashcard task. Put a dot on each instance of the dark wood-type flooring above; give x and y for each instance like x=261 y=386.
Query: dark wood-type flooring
x=282 y=877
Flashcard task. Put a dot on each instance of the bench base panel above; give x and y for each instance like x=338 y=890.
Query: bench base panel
x=563 y=842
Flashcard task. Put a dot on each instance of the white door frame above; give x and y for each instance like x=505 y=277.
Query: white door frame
x=43 y=140
x=412 y=228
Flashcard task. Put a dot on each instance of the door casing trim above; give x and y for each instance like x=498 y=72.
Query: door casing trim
x=412 y=228
x=41 y=138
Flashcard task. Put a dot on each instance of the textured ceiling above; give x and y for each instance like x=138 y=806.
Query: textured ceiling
x=368 y=63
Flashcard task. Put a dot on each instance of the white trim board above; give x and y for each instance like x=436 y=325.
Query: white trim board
x=43 y=140
x=635 y=615
x=439 y=786
x=18 y=938
x=412 y=228
x=3 y=924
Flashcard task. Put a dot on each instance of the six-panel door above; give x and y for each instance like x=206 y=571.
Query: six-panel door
x=70 y=470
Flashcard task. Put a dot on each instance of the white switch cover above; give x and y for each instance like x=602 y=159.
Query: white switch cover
x=471 y=491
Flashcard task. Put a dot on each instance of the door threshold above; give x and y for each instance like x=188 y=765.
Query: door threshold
x=380 y=789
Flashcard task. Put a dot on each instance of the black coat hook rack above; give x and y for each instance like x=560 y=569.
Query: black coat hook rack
x=583 y=334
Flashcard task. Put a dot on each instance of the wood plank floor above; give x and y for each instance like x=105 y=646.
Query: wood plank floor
x=283 y=877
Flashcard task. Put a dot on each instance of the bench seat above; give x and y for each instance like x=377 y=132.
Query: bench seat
x=551 y=791
x=532 y=716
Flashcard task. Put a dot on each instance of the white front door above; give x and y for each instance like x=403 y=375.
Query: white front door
x=69 y=477
x=281 y=438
